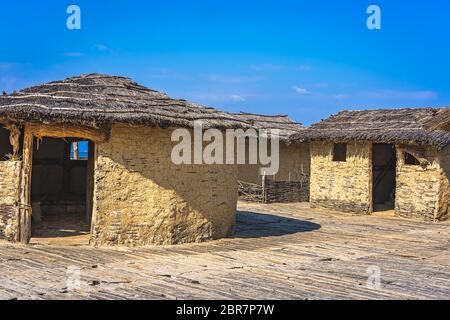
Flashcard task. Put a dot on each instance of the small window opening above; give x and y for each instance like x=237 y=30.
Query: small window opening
x=340 y=152
x=79 y=150
x=411 y=160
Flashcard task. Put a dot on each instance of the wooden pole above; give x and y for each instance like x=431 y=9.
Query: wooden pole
x=90 y=181
x=264 y=188
x=75 y=150
x=25 y=187
x=14 y=139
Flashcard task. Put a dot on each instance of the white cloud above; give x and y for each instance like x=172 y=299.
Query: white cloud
x=237 y=98
x=403 y=95
x=322 y=85
x=340 y=96
x=300 y=90
x=7 y=83
x=102 y=47
x=305 y=68
x=217 y=97
x=267 y=67
x=73 y=54
x=6 y=66
x=232 y=79
x=166 y=74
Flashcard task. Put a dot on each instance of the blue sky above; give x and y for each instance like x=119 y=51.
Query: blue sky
x=307 y=59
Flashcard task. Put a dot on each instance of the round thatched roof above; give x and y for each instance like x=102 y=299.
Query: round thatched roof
x=405 y=126
x=97 y=100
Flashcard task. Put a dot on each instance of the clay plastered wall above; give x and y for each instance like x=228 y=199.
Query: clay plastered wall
x=294 y=160
x=422 y=192
x=141 y=197
x=444 y=162
x=9 y=197
x=341 y=185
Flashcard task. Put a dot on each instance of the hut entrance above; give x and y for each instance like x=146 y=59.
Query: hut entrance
x=61 y=190
x=384 y=162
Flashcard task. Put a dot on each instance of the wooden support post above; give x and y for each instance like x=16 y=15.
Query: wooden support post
x=14 y=140
x=90 y=181
x=25 y=188
x=264 y=191
x=75 y=150
x=67 y=168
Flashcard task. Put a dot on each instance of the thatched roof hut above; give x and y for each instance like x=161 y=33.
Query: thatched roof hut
x=406 y=126
x=375 y=160
x=282 y=123
x=291 y=183
x=128 y=186
x=97 y=100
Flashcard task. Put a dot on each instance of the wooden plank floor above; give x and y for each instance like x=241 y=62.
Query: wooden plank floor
x=280 y=251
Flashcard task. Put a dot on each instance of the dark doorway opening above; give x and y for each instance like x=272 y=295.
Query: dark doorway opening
x=384 y=163
x=61 y=190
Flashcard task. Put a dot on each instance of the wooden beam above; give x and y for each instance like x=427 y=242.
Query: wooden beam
x=25 y=188
x=67 y=131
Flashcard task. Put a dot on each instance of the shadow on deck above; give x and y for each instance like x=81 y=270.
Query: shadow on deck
x=257 y=225
x=61 y=229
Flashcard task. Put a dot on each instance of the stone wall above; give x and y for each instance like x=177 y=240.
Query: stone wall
x=142 y=198
x=9 y=197
x=345 y=186
x=422 y=191
x=295 y=163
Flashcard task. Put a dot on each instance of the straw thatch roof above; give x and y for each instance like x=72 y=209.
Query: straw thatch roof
x=406 y=126
x=96 y=100
x=286 y=126
x=440 y=121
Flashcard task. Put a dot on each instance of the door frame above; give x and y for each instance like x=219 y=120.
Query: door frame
x=31 y=131
x=372 y=187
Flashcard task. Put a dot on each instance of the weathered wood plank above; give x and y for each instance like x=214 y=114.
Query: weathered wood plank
x=280 y=251
x=25 y=187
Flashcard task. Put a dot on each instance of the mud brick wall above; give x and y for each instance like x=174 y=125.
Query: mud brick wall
x=9 y=197
x=422 y=192
x=344 y=186
x=295 y=161
x=286 y=191
x=142 y=198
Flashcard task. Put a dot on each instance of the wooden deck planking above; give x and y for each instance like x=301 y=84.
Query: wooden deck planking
x=280 y=251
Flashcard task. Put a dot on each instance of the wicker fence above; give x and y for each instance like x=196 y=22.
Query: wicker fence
x=251 y=192
x=275 y=191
